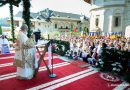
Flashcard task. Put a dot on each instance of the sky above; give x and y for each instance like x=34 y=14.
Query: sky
x=70 y=6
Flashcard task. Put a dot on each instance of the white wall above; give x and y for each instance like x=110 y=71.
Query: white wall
x=47 y=27
x=118 y=11
x=102 y=3
x=106 y=17
x=107 y=20
x=127 y=18
x=94 y=14
x=127 y=13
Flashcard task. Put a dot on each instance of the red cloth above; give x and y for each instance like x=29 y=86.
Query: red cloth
x=75 y=29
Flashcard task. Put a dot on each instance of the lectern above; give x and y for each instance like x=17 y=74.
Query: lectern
x=44 y=46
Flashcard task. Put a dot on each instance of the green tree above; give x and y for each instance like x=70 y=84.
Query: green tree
x=0 y=30
x=26 y=15
x=11 y=4
x=86 y=31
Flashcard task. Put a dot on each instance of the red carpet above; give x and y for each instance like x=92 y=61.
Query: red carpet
x=9 y=60
x=78 y=63
x=69 y=77
x=6 y=55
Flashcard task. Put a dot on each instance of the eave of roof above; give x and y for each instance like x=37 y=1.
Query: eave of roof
x=88 y=1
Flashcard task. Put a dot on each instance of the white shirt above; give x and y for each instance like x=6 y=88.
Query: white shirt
x=84 y=54
x=99 y=50
x=4 y=41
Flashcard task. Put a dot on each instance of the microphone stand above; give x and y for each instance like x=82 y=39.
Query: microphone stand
x=52 y=75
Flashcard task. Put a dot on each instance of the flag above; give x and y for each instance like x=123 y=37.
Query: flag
x=75 y=29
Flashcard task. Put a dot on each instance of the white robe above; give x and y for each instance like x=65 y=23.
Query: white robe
x=4 y=41
x=27 y=71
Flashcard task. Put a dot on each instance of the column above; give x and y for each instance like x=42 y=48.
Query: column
x=110 y=23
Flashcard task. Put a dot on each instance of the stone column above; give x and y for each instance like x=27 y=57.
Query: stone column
x=110 y=25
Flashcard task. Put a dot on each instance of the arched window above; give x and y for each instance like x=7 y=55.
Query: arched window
x=97 y=21
x=66 y=27
x=39 y=24
x=71 y=26
x=55 y=26
x=117 y=21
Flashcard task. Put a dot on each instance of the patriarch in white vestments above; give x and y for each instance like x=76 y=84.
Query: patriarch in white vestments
x=25 y=55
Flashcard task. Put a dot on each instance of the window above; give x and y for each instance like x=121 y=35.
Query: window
x=66 y=27
x=17 y=23
x=55 y=26
x=80 y=28
x=97 y=21
x=71 y=26
x=32 y=25
x=117 y=21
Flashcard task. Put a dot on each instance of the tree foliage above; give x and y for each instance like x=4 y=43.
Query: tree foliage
x=11 y=4
x=26 y=15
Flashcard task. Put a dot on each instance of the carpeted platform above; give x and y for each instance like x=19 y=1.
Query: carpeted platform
x=70 y=76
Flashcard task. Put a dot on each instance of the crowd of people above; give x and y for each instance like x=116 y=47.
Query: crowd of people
x=87 y=49
x=90 y=49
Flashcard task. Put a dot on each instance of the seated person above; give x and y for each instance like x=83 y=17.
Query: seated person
x=85 y=55
x=75 y=56
x=75 y=52
x=80 y=52
x=94 y=58
x=4 y=45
